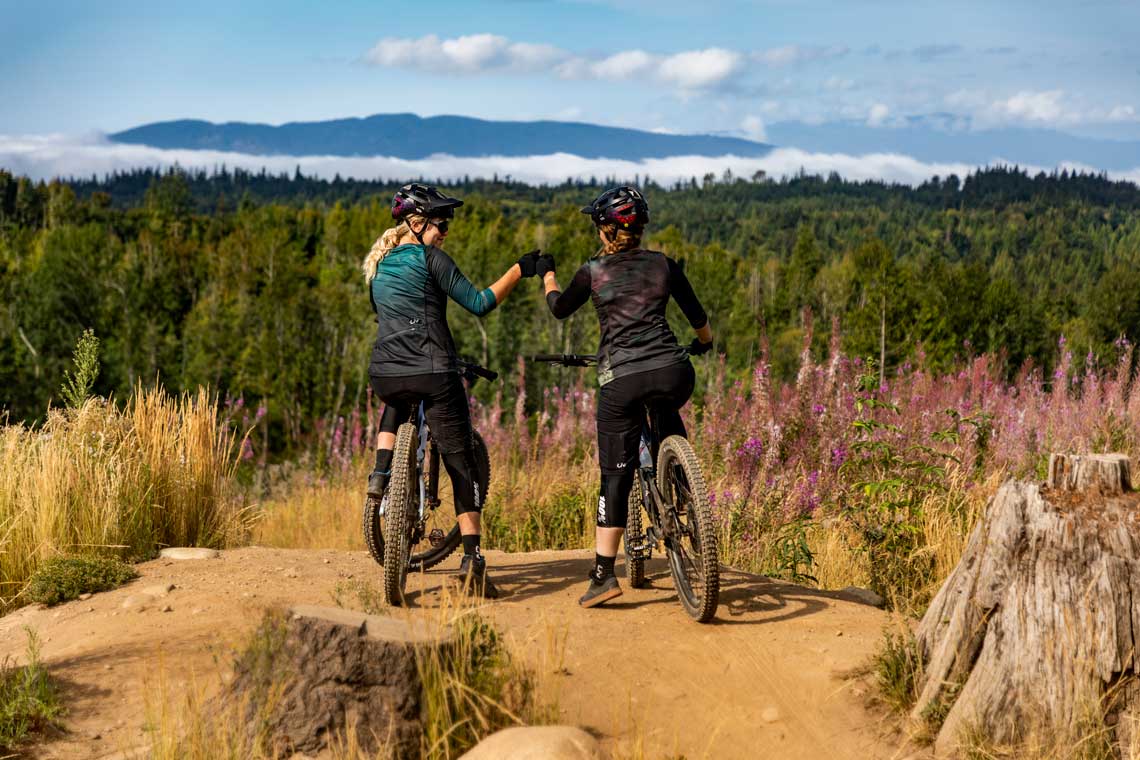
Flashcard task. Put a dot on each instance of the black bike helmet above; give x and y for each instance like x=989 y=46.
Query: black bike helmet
x=622 y=206
x=424 y=200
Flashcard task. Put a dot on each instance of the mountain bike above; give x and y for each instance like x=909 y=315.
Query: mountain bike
x=407 y=530
x=670 y=491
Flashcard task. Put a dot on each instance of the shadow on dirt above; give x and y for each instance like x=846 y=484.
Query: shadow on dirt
x=745 y=598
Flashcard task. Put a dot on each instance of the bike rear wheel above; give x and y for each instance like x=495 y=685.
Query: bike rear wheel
x=692 y=548
x=424 y=555
x=399 y=516
x=635 y=535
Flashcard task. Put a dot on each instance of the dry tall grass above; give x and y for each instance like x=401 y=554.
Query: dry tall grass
x=473 y=687
x=100 y=479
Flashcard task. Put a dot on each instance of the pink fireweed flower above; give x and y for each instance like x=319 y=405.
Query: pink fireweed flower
x=753 y=449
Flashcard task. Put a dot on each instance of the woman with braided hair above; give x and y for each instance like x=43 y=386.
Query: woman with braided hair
x=410 y=279
x=640 y=362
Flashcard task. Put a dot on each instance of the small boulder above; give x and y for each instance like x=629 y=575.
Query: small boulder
x=864 y=596
x=159 y=590
x=189 y=552
x=138 y=602
x=537 y=743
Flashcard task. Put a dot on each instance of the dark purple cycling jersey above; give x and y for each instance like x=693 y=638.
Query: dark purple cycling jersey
x=630 y=291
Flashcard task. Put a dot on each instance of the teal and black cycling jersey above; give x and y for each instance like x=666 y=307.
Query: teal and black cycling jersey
x=409 y=295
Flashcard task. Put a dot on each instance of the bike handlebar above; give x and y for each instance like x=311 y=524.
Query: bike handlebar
x=469 y=368
x=566 y=360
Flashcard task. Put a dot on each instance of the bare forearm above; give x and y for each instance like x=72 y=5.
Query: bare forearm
x=503 y=286
x=549 y=284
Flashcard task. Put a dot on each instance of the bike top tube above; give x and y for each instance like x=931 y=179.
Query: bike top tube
x=573 y=360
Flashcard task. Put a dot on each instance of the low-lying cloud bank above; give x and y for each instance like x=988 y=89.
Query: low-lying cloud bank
x=50 y=156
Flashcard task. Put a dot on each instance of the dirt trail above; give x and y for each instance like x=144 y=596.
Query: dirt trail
x=762 y=681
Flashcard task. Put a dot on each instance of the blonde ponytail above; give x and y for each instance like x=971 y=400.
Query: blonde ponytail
x=620 y=239
x=385 y=243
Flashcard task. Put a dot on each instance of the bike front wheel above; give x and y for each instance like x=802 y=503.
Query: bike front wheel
x=399 y=517
x=690 y=536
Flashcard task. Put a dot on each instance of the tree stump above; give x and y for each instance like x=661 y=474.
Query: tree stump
x=325 y=671
x=1034 y=631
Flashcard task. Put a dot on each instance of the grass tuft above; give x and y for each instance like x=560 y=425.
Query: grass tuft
x=62 y=579
x=472 y=689
x=29 y=699
x=898 y=666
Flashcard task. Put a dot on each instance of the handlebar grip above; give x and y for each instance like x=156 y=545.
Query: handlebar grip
x=486 y=374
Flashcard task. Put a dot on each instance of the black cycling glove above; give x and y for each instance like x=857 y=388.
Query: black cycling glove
x=696 y=348
x=527 y=263
x=545 y=264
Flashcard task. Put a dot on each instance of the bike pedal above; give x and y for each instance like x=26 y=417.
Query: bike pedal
x=435 y=538
x=642 y=550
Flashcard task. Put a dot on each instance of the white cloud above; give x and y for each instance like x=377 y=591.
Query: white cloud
x=44 y=157
x=1032 y=106
x=878 y=115
x=1122 y=113
x=700 y=69
x=688 y=71
x=753 y=126
x=469 y=54
x=1052 y=108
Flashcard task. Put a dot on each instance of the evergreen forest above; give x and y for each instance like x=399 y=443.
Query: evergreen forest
x=250 y=283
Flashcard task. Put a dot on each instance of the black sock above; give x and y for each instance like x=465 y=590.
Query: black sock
x=603 y=566
x=384 y=461
x=471 y=544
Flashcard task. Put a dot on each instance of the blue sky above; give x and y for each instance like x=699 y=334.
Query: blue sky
x=709 y=66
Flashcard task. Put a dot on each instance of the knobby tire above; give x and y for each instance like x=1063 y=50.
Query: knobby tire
x=692 y=558
x=398 y=517
x=635 y=533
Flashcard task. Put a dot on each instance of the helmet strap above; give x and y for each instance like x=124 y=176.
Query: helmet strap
x=419 y=235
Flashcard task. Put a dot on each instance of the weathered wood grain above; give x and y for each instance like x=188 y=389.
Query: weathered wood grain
x=1038 y=622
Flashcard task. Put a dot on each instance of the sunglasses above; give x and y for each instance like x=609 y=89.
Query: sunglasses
x=442 y=225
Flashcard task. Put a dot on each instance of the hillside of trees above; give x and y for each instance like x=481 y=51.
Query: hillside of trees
x=250 y=282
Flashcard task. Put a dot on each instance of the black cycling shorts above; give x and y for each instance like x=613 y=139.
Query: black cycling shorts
x=445 y=406
x=622 y=404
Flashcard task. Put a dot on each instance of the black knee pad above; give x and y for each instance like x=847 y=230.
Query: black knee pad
x=461 y=469
x=613 y=499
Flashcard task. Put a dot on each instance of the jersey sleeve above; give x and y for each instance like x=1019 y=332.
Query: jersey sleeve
x=446 y=274
x=683 y=294
x=564 y=303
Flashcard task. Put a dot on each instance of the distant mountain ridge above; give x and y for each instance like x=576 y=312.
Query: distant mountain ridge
x=927 y=138
x=412 y=137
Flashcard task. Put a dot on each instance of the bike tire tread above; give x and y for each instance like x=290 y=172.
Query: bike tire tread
x=682 y=451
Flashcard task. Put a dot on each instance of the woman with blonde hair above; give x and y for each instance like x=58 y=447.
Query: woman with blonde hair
x=640 y=362
x=410 y=279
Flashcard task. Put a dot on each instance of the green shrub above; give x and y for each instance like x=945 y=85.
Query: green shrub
x=64 y=578
x=897 y=669
x=29 y=700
